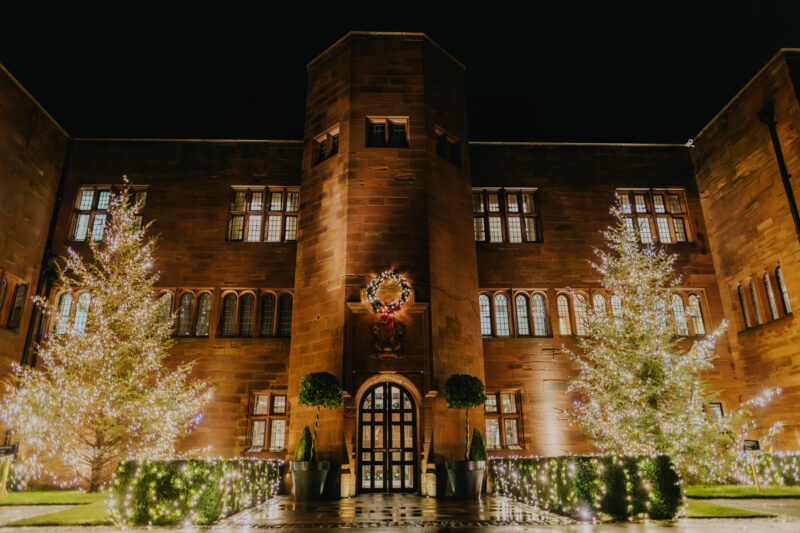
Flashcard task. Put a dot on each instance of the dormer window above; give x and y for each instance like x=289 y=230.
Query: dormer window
x=387 y=131
x=326 y=145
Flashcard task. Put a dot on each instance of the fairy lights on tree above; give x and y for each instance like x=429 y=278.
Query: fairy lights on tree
x=640 y=389
x=102 y=392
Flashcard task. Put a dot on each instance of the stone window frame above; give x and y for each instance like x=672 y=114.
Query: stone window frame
x=237 y=312
x=264 y=212
x=527 y=219
x=501 y=415
x=513 y=313
x=325 y=145
x=94 y=210
x=389 y=140
x=448 y=146
x=3 y=294
x=175 y=307
x=653 y=211
x=756 y=298
x=267 y=417
x=67 y=320
x=16 y=305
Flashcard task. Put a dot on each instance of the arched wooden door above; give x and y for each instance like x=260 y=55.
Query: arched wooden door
x=387 y=440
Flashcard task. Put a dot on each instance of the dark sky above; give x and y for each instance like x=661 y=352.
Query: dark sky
x=556 y=71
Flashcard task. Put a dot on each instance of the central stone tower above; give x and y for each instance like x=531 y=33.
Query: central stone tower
x=385 y=186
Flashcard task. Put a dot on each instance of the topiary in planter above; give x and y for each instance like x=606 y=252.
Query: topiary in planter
x=320 y=389
x=477 y=448
x=464 y=391
x=303 y=450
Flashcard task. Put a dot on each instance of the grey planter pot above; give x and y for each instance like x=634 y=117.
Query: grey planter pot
x=466 y=478
x=308 y=478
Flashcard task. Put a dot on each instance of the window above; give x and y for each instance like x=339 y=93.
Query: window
x=228 y=318
x=564 y=320
x=326 y=145
x=387 y=131
x=263 y=214
x=185 y=314
x=502 y=425
x=448 y=147
x=599 y=305
x=501 y=315
x=3 y=289
x=486 y=315
x=539 y=315
x=90 y=214
x=17 y=305
x=165 y=306
x=581 y=318
x=679 y=313
x=203 y=315
x=267 y=315
x=787 y=306
x=756 y=305
x=616 y=309
x=509 y=215
x=659 y=215
x=285 y=315
x=715 y=411
x=268 y=413
x=247 y=304
x=696 y=312
x=82 y=312
x=743 y=307
x=64 y=311
x=773 y=308
x=521 y=303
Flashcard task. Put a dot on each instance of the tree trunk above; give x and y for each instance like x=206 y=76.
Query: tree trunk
x=466 y=439
x=314 y=438
x=96 y=476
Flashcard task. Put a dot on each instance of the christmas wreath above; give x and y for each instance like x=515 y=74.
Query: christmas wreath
x=387 y=309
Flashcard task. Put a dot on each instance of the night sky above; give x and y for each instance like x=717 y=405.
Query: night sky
x=578 y=71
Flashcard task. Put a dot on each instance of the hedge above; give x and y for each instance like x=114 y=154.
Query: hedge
x=191 y=491
x=587 y=487
x=772 y=469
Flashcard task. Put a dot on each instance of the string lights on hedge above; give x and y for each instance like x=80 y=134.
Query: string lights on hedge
x=387 y=310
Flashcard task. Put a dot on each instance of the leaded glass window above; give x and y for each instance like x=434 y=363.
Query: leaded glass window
x=165 y=306
x=228 y=319
x=696 y=312
x=599 y=304
x=246 y=314
x=486 y=314
x=185 y=312
x=203 y=315
x=743 y=307
x=787 y=305
x=509 y=215
x=285 y=315
x=501 y=315
x=64 y=309
x=756 y=304
x=539 y=315
x=521 y=303
x=267 y=315
x=581 y=318
x=773 y=308
x=679 y=313
x=564 y=325
x=82 y=312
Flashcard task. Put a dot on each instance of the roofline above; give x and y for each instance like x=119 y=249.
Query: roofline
x=123 y=139
x=386 y=34
x=41 y=108
x=782 y=52
x=536 y=143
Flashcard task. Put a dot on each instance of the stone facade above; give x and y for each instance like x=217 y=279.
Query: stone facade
x=408 y=205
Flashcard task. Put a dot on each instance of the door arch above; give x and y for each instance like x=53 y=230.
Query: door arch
x=387 y=439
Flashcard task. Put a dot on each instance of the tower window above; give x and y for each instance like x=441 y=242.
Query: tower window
x=387 y=131
x=326 y=145
x=17 y=305
x=448 y=147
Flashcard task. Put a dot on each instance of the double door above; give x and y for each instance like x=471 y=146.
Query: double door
x=387 y=440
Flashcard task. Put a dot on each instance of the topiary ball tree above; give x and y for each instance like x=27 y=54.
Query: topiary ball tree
x=464 y=391
x=320 y=389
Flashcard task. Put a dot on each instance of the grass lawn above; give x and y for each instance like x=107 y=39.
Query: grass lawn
x=701 y=509
x=51 y=497
x=741 y=491
x=89 y=514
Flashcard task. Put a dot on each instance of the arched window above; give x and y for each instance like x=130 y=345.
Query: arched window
x=3 y=289
x=64 y=308
x=539 y=316
x=267 y=315
x=285 y=315
x=787 y=306
x=521 y=303
x=616 y=309
x=679 y=312
x=165 y=306
x=743 y=305
x=486 y=314
x=756 y=305
x=82 y=311
x=501 y=315
x=581 y=318
x=203 y=315
x=564 y=322
x=773 y=307
x=696 y=312
x=246 y=313
x=228 y=319
x=599 y=304
x=185 y=314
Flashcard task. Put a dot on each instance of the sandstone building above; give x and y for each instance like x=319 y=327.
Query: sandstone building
x=266 y=248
